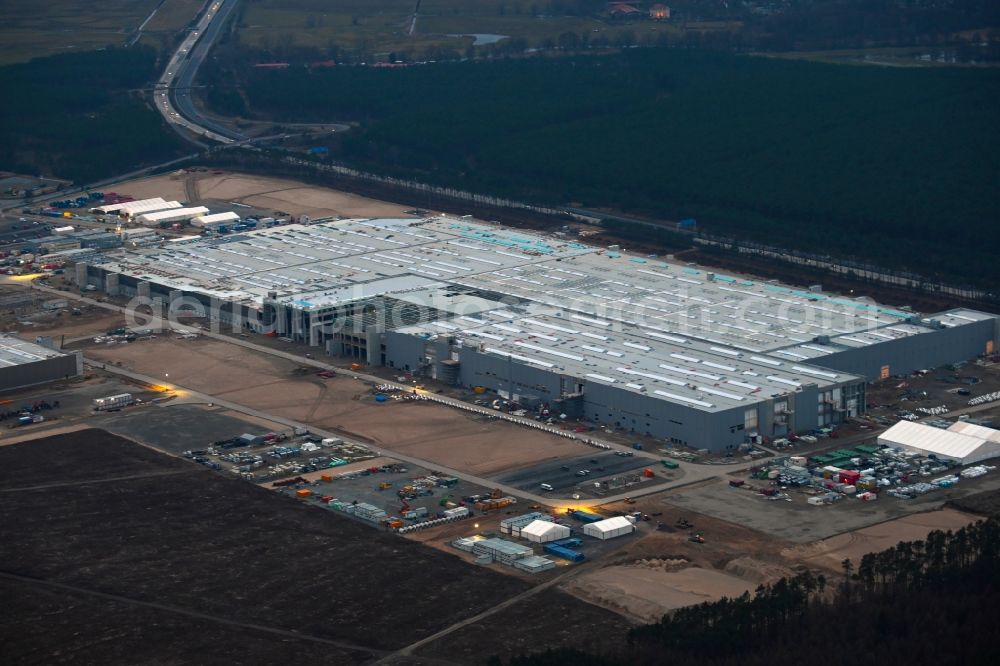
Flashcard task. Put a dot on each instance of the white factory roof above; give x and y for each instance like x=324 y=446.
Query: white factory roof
x=700 y=374
x=172 y=214
x=114 y=208
x=215 y=218
x=668 y=330
x=949 y=444
x=15 y=351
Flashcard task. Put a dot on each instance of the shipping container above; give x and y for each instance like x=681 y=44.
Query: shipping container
x=563 y=552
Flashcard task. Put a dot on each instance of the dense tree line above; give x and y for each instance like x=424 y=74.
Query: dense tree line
x=921 y=602
x=73 y=116
x=897 y=166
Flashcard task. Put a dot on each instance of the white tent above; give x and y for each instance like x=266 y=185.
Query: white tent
x=542 y=531
x=175 y=215
x=114 y=208
x=926 y=440
x=217 y=218
x=973 y=430
x=609 y=528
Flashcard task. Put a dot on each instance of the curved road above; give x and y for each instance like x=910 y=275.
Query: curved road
x=173 y=90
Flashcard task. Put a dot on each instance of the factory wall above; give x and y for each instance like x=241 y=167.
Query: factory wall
x=403 y=352
x=531 y=385
x=39 y=372
x=676 y=422
x=916 y=352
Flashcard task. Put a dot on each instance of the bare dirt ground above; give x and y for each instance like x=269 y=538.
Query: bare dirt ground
x=289 y=196
x=433 y=432
x=829 y=553
x=648 y=590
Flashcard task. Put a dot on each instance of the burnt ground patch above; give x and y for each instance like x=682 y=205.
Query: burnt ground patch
x=114 y=552
x=551 y=618
x=986 y=503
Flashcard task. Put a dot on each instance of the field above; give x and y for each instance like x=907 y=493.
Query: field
x=35 y=29
x=375 y=28
x=150 y=556
x=648 y=591
x=829 y=553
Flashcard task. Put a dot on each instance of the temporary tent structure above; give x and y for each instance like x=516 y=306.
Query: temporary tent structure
x=926 y=440
x=541 y=531
x=609 y=528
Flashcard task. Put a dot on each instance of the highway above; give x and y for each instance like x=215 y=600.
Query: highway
x=173 y=90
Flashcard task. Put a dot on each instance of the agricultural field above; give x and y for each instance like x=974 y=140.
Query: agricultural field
x=380 y=27
x=138 y=562
x=33 y=29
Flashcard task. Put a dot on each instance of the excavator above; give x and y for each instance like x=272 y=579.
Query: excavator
x=696 y=538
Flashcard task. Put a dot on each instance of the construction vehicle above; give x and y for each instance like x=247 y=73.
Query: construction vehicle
x=629 y=500
x=496 y=493
x=384 y=485
x=696 y=538
x=495 y=503
x=684 y=524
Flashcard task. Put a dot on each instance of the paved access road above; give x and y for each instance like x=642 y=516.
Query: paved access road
x=563 y=474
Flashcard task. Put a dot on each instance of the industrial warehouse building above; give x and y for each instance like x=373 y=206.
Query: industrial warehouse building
x=24 y=364
x=695 y=357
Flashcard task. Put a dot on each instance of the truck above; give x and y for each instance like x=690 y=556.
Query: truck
x=113 y=402
x=669 y=464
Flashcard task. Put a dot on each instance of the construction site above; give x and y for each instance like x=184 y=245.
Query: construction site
x=476 y=457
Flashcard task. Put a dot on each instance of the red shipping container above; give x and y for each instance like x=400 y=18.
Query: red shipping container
x=849 y=477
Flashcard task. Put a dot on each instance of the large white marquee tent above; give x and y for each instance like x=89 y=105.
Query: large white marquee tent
x=964 y=443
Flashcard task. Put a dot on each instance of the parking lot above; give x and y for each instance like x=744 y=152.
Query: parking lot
x=566 y=474
x=177 y=428
x=381 y=485
x=799 y=522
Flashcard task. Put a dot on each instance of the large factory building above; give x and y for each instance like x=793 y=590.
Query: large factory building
x=24 y=363
x=692 y=356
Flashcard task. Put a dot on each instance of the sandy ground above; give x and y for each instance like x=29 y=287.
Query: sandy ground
x=432 y=432
x=266 y=193
x=646 y=591
x=155 y=186
x=829 y=553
